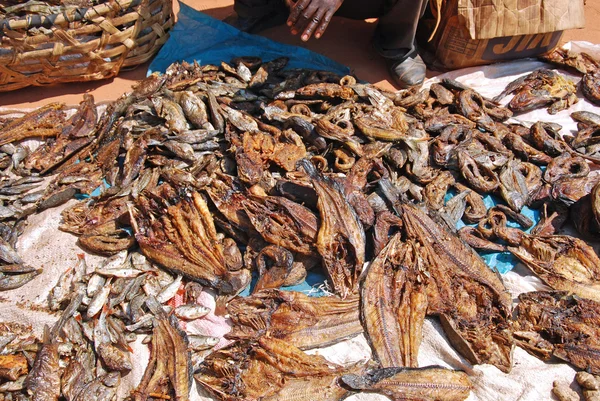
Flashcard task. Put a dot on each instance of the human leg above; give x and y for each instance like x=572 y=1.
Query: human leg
x=394 y=39
x=253 y=16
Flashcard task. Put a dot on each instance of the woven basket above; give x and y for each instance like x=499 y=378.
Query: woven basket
x=82 y=44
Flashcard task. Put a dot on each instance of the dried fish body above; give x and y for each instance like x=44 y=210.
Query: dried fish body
x=102 y=388
x=513 y=186
x=473 y=237
x=322 y=388
x=191 y=312
x=566 y=166
x=168 y=292
x=341 y=238
x=590 y=86
x=524 y=150
x=99 y=299
x=542 y=140
x=13 y=281
x=427 y=383
x=113 y=355
x=201 y=343
x=389 y=126
x=581 y=62
x=185 y=241
x=12 y=366
x=47 y=121
x=66 y=282
x=169 y=369
x=559 y=324
x=394 y=303
x=479 y=177
x=283 y=222
x=43 y=382
x=471 y=105
x=436 y=190
x=194 y=108
x=326 y=90
x=171 y=112
x=306 y=322
x=540 y=88
x=563 y=262
x=481 y=336
x=239 y=371
x=475 y=209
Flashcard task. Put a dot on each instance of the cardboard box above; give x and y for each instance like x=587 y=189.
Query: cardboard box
x=476 y=32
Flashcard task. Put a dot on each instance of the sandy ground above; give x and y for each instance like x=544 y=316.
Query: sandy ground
x=345 y=41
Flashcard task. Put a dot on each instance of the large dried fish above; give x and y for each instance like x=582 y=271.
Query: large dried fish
x=563 y=262
x=459 y=281
x=306 y=322
x=239 y=371
x=559 y=324
x=186 y=241
x=394 y=303
x=168 y=374
x=341 y=238
x=428 y=383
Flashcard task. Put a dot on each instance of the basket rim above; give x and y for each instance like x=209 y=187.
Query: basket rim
x=72 y=15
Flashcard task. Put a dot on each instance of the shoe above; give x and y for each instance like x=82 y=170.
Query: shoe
x=256 y=24
x=409 y=71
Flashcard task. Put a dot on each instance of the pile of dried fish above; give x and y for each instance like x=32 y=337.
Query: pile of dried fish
x=218 y=174
x=89 y=348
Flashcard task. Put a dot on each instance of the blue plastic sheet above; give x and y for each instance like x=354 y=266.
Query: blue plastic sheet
x=197 y=36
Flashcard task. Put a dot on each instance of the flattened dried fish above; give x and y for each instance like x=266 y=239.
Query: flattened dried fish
x=186 y=242
x=341 y=238
x=459 y=279
x=306 y=322
x=563 y=262
x=428 y=383
x=168 y=374
x=559 y=324
x=394 y=303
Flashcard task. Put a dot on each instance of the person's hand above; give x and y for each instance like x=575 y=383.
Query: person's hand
x=311 y=15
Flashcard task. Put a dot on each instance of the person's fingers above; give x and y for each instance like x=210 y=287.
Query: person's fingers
x=312 y=24
x=323 y=23
x=305 y=18
x=296 y=10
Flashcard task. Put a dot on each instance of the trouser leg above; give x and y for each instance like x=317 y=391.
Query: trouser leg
x=257 y=8
x=395 y=33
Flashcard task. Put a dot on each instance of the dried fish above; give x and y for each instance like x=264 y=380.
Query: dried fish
x=559 y=324
x=482 y=337
x=341 y=238
x=563 y=262
x=394 y=303
x=306 y=322
x=428 y=383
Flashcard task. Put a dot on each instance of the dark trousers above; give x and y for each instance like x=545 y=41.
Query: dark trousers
x=395 y=33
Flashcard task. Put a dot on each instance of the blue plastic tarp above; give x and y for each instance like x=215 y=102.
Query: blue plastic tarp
x=199 y=37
